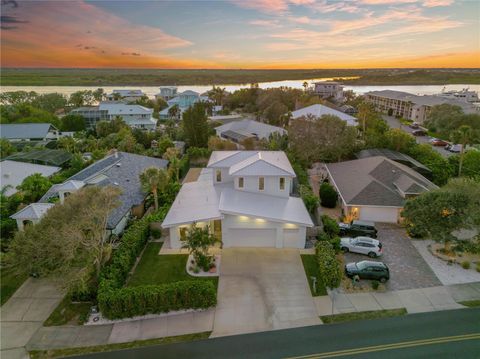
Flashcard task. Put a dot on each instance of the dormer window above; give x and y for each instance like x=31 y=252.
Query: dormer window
x=261 y=183
x=218 y=175
x=240 y=182
x=282 y=183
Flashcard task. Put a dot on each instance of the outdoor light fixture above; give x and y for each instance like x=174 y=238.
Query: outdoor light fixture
x=259 y=220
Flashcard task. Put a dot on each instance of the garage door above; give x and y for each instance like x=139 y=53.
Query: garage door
x=251 y=237
x=379 y=214
x=290 y=238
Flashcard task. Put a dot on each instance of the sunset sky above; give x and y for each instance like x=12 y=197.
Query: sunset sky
x=241 y=34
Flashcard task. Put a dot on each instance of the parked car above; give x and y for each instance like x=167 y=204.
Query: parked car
x=419 y=133
x=368 y=270
x=414 y=125
x=454 y=148
x=363 y=245
x=438 y=142
x=358 y=228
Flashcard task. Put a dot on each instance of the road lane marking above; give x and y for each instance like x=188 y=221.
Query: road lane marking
x=391 y=346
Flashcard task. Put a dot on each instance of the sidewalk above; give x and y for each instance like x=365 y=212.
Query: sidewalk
x=413 y=300
x=91 y=335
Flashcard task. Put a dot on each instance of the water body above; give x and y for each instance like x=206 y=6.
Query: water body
x=152 y=90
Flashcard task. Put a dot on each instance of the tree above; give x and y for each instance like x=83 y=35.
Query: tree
x=329 y=269
x=308 y=197
x=70 y=242
x=248 y=143
x=465 y=135
x=197 y=240
x=82 y=98
x=441 y=169
x=6 y=148
x=72 y=122
x=217 y=144
x=440 y=212
x=99 y=94
x=322 y=139
x=154 y=180
x=305 y=86
x=399 y=140
x=442 y=118
x=50 y=102
x=8 y=206
x=34 y=186
x=174 y=112
x=328 y=195
x=217 y=95
x=195 y=125
x=172 y=155
x=471 y=164
x=274 y=112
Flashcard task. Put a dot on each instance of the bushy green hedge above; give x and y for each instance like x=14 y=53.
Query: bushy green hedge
x=116 y=301
x=328 y=195
x=153 y=299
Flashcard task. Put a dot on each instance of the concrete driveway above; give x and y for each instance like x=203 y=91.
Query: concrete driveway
x=23 y=314
x=408 y=269
x=262 y=289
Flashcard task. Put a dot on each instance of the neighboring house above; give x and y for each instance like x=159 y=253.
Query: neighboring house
x=244 y=197
x=13 y=173
x=16 y=132
x=31 y=214
x=397 y=157
x=375 y=188
x=226 y=118
x=318 y=111
x=167 y=93
x=329 y=90
x=125 y=95
x=183 y=100
x=135 y=116
x=238 y=131
x=119 y=169
x=409 y=106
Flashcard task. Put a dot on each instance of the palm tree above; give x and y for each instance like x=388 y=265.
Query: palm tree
x=305 y=86
x=174 y=112
x=154 y=180
x=464 y=136
x=172 y=154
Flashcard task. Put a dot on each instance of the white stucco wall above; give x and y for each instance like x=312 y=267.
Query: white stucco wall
x=272 y=185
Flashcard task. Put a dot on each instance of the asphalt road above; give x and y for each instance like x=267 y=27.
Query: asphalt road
x=445 y=334
x=395 y=123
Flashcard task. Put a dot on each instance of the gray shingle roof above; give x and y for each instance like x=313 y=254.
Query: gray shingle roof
x=375 y=181
x=25 y=130
x=123 y=171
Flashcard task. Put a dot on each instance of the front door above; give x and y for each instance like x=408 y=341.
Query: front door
x=217 y=229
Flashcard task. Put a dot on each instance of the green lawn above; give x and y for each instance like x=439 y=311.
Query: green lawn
x=373 y=314
x=470 y=303
x=10 y=282
x=69 y=313
x=61 y=353
x=155 y=269
x=311 y=270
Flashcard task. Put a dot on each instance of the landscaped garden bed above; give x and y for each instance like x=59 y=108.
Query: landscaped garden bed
x=455 y=256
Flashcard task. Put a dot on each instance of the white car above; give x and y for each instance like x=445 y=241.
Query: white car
x=363 y=245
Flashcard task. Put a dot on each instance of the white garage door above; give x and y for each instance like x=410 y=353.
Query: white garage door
x=290 y=238
x=251 y=237
x=379 y=214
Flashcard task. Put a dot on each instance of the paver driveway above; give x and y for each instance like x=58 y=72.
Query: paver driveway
x=262 y=289
x=408 y=269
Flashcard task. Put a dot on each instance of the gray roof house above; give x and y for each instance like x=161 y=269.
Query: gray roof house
x=238 y=131
x=375 y=188
x=119 y=169
x=28 y=132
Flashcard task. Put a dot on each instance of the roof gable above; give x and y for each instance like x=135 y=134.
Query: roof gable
x=273 y=163
x=33 y=211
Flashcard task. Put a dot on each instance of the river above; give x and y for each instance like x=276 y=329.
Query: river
x=152 y=90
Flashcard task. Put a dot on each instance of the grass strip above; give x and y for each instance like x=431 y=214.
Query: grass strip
x=373 y=314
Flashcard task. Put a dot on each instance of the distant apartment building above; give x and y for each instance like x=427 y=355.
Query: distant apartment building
x=329 y=90
x=167 y=93
x=135 y=116
x=411 y=107
x=125 y=95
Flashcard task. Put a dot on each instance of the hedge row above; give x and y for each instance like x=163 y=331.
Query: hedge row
x=116 y=301
x=153 y=299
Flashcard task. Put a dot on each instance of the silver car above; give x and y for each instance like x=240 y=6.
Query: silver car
x=363 y=245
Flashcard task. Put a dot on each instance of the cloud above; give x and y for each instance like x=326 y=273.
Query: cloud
x=267 y=6
x=426 y=3
x=265 y=23
x=434 y=3
x=130 y=54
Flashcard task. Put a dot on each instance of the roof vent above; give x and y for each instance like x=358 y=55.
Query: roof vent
x=115 y=183
x=118 y=164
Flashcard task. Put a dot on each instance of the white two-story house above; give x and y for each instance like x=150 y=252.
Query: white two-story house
x=245 y=199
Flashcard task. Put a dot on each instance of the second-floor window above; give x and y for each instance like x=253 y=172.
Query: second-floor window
x=218 y=175
x=261 y=183
x=282 y=183
x=240 y=182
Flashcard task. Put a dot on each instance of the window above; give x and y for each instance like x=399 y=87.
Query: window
x=282 y=183
x=218 y=174
x=261 y=183
x=240 y=182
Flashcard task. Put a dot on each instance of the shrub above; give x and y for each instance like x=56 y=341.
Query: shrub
x=156 y=233
x=466 y=265
x=375 y=284
x=329 y=269
x=478 y=267
x=328 y=195
x=330 y=226
x=310 y=200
